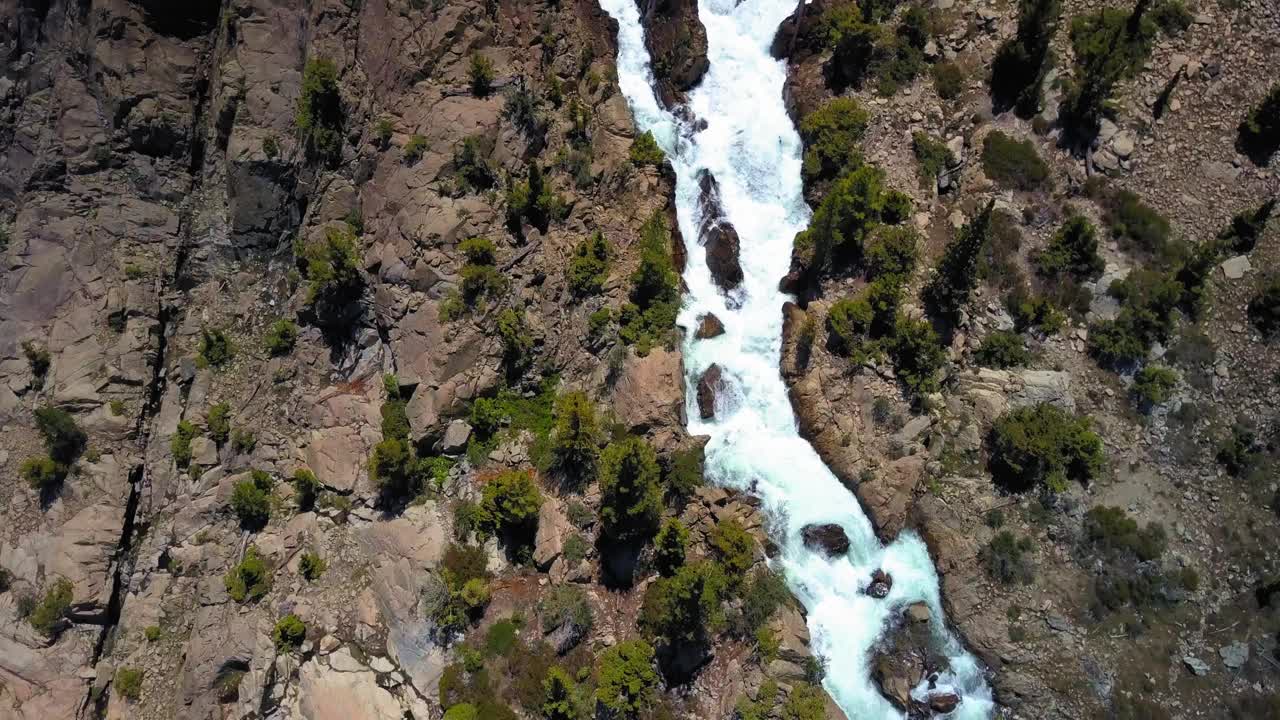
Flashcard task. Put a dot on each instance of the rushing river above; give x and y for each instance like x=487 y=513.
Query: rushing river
x=752 y=149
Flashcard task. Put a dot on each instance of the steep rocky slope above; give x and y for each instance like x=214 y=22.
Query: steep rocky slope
x=178 y=186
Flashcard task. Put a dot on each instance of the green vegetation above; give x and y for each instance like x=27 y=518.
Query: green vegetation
x=683 y=473
x=1259 y=132
x=807 y=701
x=917 y=354
x=670 y=546
x=1002 y=349
x=682 y=611
x=306 y=488
x=481 y=74
x=1148 y=299
x=1110 y=45
x=250 y=579
x=1042 y=446
x=1246 y=228
x=151 y=633
x=382 y=131
x=180 y=442
x=576 y=437
x=1139 y=228
x=1126 y=561
x=38 y=359
x=933 y=157
x=589 y=266
x=48 y=614
x=649 y=318
x=480 y=277
x=509 y=506
x=560 y=697
x=243 y=441
x=319 y=114
x=1264 y=308
x=832 y=135
x=500 y=638
x=517 y=342
x=128 y=683
x=471 y=161
x=1020 y=64
x=415 y=148
x=628 y=681
x=863 y=50
x=1007 y=558
x=289 y=633
x=566 y=604
x=1014 y=164
x=733 y=549
x=1072 y=252
x=1239 y=451
x=41 y=472
x=533 y=201
x=215 y=348
x=949 y=290
x=631 y=500
x=855 y=206
x=645 y=150
x=311 y=566
x=948 y=80
x=1154 y=385
x=219 y=421
x=510 y=412
x=332 y=268
x=251 y=500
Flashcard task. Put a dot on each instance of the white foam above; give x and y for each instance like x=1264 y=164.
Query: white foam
x=752 y=148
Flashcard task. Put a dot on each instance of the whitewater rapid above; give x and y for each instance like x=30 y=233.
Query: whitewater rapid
x=751 y=147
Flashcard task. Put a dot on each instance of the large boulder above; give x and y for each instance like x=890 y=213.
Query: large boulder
x=830 y=538
x=677 y=42
x=709 y=326
x=718 y=235
x=708 y=385
x=648 y=396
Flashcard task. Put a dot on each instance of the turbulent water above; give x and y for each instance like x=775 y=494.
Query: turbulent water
x=751 y=147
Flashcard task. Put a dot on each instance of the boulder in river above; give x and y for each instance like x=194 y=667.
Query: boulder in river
x=944 y=702
x=830 y=538
x=881 y=584
x=708 y=385
x=709 y=326
x=718 y=235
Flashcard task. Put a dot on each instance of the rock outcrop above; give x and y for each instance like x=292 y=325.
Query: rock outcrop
x=677 y=44
x=829 y=538
x=717 y=235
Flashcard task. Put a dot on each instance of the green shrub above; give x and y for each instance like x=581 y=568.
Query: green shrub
x=670 y=546
x=1013 y=164
x=219 y=421
x=560 y=699
x=631 y=500
x=806 y=701
x=307 y=488
x=1018 y=70
x=333 y=273
x=848 y=325
x=47 y=616
x=523 y=108
x=289 y=633
x=733 y=548
x=566 y=604
x=1073 y=252
x=517 y=342
x=891 y=254
x=251 y=500
x=948 y=80
x=576 y=436
x=1259 y=132
x=1111 y=530
x=1006 y=558
x=1002 y=349
x=917 y=354
x=1238 y=451
x=648 y=319
x=62 y=437
x=1109 y=45
x=685 y=608
x=243 y=441
x=1043 y=446
x=250 y=579
x=1246 y=227
x=392 y=468
x=763 y=594
x=855 y=206
x=589 y=267
x=832 y=135
x=482 y=74
x=215 y=348
x=415 y=148
x=319 y=115
x=1154 y=385
x=471 y=162
x=933 y=156
x=311 y=566
x=382 y=131
x=948 y=292
x=645 y=150
x=281 y=336
x=128 y=683
x=627 y=680
x=684 y=471
x=462 y=711
x=180 y=442
x=576 y=549
x=509 y=504
x=151 y=633
x=1264 y=308
x=1172 y=16
x=1138 y=226
x=38 y=359
x=41 y=472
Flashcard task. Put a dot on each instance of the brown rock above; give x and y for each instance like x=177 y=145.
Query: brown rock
x=708 y=385
x=830 y=538
x=881 y=584
x=677 y=42
x=649 y=395
x=917 y=612
x=944 y=703
x=709 y=326
x=795 y=344
x=718 y=235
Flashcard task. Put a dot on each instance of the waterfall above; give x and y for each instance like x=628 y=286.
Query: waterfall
x=752 y=149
